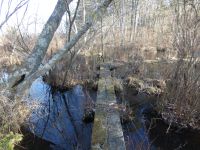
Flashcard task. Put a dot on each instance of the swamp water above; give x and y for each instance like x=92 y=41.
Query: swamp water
x=56 y=119
x=147 y=131
x=56 y=123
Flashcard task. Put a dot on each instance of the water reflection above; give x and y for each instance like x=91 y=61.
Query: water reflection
x=148 y=131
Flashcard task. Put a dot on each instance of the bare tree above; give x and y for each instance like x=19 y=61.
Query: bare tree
x=9 y=13
x=32 y=68
x=134 y=13
x=71 y=23
x=34 y=60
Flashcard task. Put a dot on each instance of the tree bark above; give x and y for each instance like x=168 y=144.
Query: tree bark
x=46 y=35
x=96 y=16
x=34 y=60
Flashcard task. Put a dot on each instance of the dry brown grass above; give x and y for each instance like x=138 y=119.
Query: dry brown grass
x=12 y=114
x=67 y=74
x=180 y=104
x=14 y=48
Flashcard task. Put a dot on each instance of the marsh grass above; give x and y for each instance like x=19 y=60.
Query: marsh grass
x=12 y=115
x=67 y=74
x=180 y=104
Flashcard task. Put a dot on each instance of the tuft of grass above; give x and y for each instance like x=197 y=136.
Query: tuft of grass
x=66 y=74
x=118 y=86
x=153 y=91
x=8 y=141
x=133 y=82
x=12 y=115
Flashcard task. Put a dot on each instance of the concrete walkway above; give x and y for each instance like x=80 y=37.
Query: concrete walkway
x=107 y=130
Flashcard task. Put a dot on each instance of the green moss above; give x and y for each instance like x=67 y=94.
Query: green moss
x=110 y=91
x=99 y=130
x=8 y=142
x=101 y=85
x=109 y=87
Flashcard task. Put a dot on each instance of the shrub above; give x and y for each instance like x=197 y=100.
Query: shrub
x=7 y=142
x=12 y=115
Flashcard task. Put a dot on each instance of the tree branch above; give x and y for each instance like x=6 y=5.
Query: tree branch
x=64 y=51
x=46 y=36
x=41 y=46
x=8 y=15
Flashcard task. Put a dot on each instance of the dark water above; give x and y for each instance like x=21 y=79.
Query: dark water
x=176 y=138
x=148 y=131
x=62 y=128
x=145 y=131
x=32 y=142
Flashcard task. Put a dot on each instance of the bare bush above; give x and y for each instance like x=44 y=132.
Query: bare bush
x=14 y=47
x=78 y=72
x=181 y=105
x=12 y=113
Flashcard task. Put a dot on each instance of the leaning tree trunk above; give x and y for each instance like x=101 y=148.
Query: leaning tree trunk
x=34 y=60
x=41 y=70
